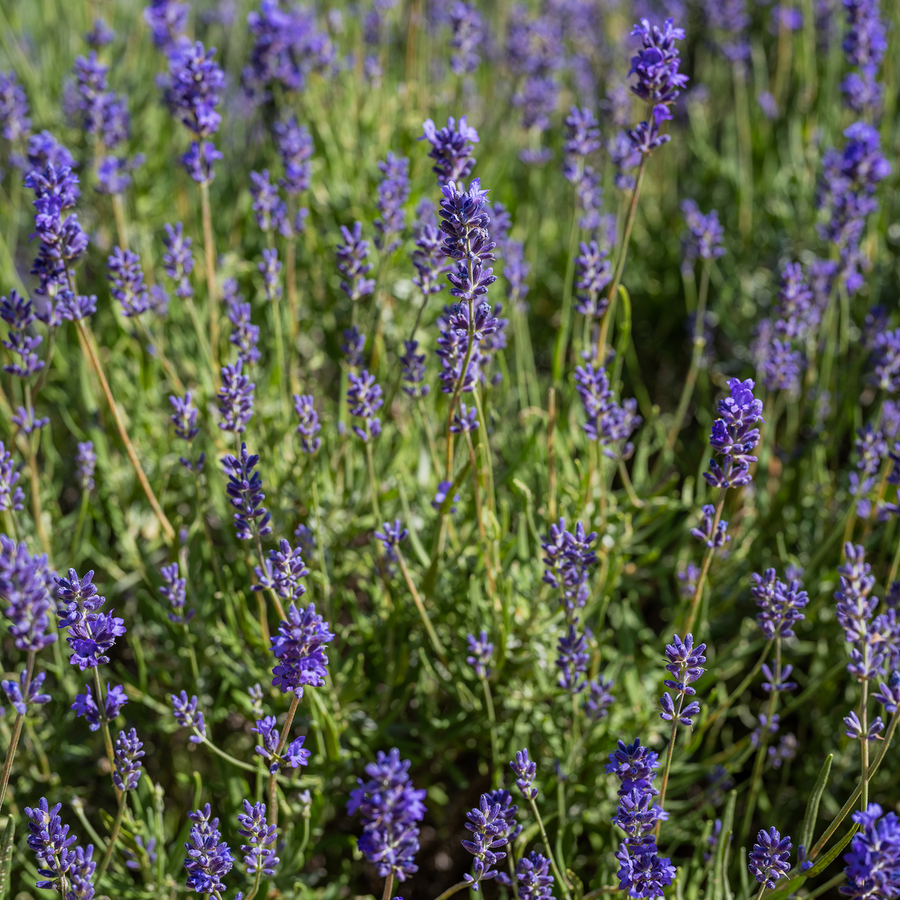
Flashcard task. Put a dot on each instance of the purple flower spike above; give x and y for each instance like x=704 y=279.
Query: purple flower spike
x=259 y=855
x=393 y=192
x=480 y=653
x=299 y=648
x=364 y=399
x=352 y=256
x=390 y=808
x=734 y=435
x=235 y=399
x=86 y=706
x=128 y=761
x=451 y=149
x=245 y=494
x=873 y=861
x=685 y=666
x=309 y=426
x=208 y=856
x=525 y=771
x=769 y=859
x=187 y=715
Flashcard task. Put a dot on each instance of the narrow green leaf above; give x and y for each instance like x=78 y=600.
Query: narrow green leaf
x=812 y=807
x=724 y=837
x=831 y=855
x=6 y=855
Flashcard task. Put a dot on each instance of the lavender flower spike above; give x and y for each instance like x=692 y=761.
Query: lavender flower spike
x=451 y=149
x=769 y=857
x=734 y=435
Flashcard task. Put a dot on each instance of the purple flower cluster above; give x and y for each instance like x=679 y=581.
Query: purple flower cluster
x=865 y=44
x=293 y=755
x=208 y=856
x=59 y=864
x=352 y=263
x=25 y=585
x=609 y=423
x=309 y=426
x=391 y=809
x=685 y=668
x=288 y=46
x=168 y=21
x=769 y=858
x=12 y=497
x=703 y=236
x=467 y=36
x=658 y=80
x=178 y=260
x=480 y=652
x=245 y=494
x=779 y=604
x=847 y=196
x=86 y=706
x=91 y=633
x=192 y=93
x=567 y=561
x=393 y=192
x=299 y=648
x=18 y=313
x=174 y=590
x=873 y=860
x=14 y=121
x=364 y=399
x=244 y=334
x=235 y=399
x=124 y=271
x=128 y=753
x=269 y=209
x=62 y=243
x=260 y=836
x=593 y=273
x=875 y=640
x=642 y=872
x=282 y=573
x=734 y=435
x=451 y=149
x=187 y=715
x=493 y=825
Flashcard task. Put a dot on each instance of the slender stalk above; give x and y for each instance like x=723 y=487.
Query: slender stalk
x=551 y=458
x=736 y=693
x=761 y=890
x=492 y=720
x=282 y=740
x=664 y=784
x=426 y=621
x=696 y=356
x=559 y=879
x=320 y=539
x=259 y=551
x=851 y=800
x=565 y=317
x=104 y=727
x=455 y=889
x=479 y=512
x=17 y=731
x=226 y=756
x=88 y=345
x=113 y=837
x=756 y=778
x=34 y=477
x=864 y=740
x=121 y=227
x=388 y=886
x=620 y=264
x=168 y=368
x=707 y=561
x=629 y=487
x=209 y=249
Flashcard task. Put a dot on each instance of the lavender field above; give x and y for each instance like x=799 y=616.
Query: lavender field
x=449 y=447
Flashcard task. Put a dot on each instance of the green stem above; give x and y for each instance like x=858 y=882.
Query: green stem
x=88 y=345
x=707 y=562
x=104 y=727
x=562 y=335
x=756 y=778
x=620 y=264
x=664 y=784
x=696 y=356
x=17 y=731
x=320 y=540
x=113 y=837
x=455 y=889
x=492 y=720
x=559 y=879
x=864 y=740
x=236 y=762
x=417 y=599
x=209 y=252
x=282 y=740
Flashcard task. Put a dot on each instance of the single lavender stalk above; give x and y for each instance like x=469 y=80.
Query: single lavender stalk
x=480 y=653
x=703 y=240
x=659 y=83
x=391 y=536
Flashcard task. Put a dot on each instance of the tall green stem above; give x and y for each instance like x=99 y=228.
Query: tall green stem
x=620 y=264
x=113 y=837
x=426 y=621
x=696 y=356
x=17 y=730
x=707 y=562
x=282 y=740
x=209 y=252
x=565 y=317
x=492 y=721
x=559 y=878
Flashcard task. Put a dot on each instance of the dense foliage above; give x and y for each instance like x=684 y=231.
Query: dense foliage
x=449 y=446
